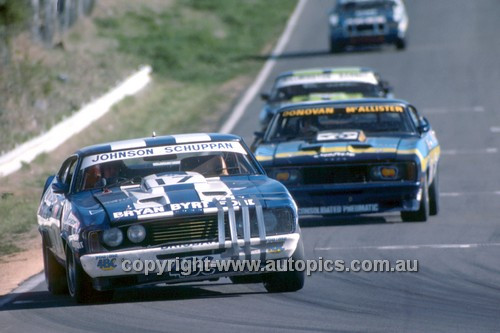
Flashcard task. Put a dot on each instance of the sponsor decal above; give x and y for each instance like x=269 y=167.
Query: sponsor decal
x=173 y=207
x=340 y=209
x=374 y=108
x=223 y=146
x=308 y=112
x=337 y=154
x=106 y=263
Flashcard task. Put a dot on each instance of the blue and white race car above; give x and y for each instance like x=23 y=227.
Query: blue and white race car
x=354 y=157
x=183 y=197
x=316 y=84
x=356 y=22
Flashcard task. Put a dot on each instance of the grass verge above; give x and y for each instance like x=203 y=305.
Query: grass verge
x=203 y=55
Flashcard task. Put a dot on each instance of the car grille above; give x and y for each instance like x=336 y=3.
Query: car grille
x=186 y=230
x=335 y=174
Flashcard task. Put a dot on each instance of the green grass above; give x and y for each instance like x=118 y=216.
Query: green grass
x=200 y=41
x=198 y=50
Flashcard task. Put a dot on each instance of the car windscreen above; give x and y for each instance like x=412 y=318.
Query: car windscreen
x=307 y=91
x=367 y=5
x=306 y=123
x=210 y=159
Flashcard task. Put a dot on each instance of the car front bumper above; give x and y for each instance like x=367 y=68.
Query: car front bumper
x=271 y=248
x=357 y=198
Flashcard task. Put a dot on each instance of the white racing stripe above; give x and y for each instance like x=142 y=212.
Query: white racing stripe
x=250 y=94
x=411 y=247
x=188 y=138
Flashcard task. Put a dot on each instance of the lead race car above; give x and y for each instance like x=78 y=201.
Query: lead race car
x=354 y=157
x=182 y=196
x=356 y=22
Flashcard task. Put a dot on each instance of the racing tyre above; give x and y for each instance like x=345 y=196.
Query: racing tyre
x=336 y=47
x=422 y=213
x=55 y=273
x=434 y=196
x=246 y=279
x=80 y=284
x=401 y=44
x=286 y=281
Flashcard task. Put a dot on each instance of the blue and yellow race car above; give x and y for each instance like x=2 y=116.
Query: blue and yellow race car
x=354 y=157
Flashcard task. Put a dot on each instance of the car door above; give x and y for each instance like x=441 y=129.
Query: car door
x=429 y=140
x=60 y=203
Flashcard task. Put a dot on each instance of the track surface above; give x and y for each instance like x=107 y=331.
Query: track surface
x=451 y=73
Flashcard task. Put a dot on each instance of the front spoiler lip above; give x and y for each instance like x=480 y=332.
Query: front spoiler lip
x=254 y=250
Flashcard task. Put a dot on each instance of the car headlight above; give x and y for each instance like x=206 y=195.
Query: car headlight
x=279 y=221
x=334 y=19
x=112 y=237
x=286 y=176
x=136 y=233
x=385 y=172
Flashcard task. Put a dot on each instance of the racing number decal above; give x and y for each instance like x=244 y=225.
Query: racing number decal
x=332 y=136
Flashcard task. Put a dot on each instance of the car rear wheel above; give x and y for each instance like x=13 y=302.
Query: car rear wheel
x=80 y=284
x=55 y=274
x=286 y=281
x=401 y=44
x=434 y=196
x=336 y=47
x=422 y=213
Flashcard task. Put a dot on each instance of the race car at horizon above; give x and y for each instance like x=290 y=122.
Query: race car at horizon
x=367 y=22
x=354 y=157
x=186 y=196
x=316 y=84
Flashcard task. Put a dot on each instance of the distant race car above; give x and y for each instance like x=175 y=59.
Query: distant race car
x=182 y=196
x=357 y=22
x=318 y=84
x=354 y=157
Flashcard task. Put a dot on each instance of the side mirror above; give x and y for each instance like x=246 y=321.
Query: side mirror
x=60 y=188
x=258 y=135
x=386 y=87
x=424 y=125
x=265 y=96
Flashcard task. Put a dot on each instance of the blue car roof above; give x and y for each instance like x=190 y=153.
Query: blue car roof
x=157 y=141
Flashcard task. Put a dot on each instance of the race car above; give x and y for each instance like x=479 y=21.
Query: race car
x=354 y=157
x=357 y=22
x=316 y=84
x=182 y=197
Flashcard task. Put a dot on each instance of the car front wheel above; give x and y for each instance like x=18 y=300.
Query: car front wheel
x=80 y=284
x=288 y=281
x=422 y=213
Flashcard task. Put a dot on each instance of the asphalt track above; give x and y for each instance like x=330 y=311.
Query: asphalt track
x=451 y=72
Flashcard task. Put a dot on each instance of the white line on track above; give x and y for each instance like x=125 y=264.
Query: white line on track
x=411 y=247
x=26 y=286
x=495 y=129
x=459 y=194
x=250 y=94
x=442 y=110
x=489 y=150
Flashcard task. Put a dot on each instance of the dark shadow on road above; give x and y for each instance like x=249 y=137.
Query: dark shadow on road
x=44 y=299
x=318 y=53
